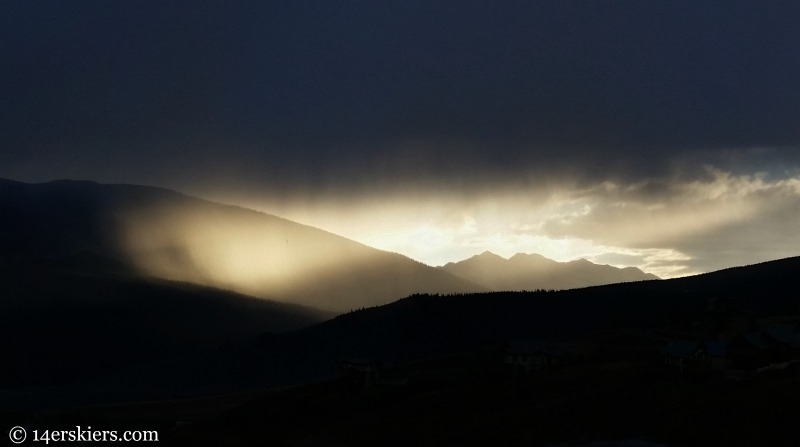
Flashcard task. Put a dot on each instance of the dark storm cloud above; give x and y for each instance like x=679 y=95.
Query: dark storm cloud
x=322 y=95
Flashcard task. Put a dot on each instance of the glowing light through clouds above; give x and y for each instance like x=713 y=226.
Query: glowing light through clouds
x=662 y=135
x=666 y=227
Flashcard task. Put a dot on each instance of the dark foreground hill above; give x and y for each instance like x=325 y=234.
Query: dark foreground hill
x=160 y=233
x=431 y=326
x=602 y=405
x=534 y=272
x=59 y=325
x=440 y=381
x=427 y=325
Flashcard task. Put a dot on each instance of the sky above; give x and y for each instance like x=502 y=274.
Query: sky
x=661 y=135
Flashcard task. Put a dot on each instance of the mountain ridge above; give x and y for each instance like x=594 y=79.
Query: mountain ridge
x=533 y=271
x=163 y=233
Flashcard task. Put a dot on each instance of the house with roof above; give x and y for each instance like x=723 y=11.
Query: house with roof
x=786 y=339
x=776 y=347
x=747 y=354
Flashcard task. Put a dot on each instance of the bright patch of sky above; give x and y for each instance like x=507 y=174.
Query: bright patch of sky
x=669 y=228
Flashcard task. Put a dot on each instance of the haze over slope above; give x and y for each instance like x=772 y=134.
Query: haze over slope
x=164 y=234
x=73 y=305
x=533 y=271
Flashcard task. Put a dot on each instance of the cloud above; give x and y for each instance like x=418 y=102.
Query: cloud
x=691 y=222
x=294 y=99
x=717 y=221
x=430 y=128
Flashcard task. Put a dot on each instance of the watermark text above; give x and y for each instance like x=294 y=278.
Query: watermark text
x=18 y=435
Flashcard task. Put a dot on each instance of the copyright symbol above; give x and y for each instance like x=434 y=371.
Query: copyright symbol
x=17 y=435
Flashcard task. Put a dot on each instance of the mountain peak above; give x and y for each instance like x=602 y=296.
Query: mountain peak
x=488 y=255
x=482 y=260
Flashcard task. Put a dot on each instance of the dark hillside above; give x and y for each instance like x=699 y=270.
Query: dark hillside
x=58 y=325
x=429 y=326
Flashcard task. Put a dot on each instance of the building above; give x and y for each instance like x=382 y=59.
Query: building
x=359 y=373
x=745 y=355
